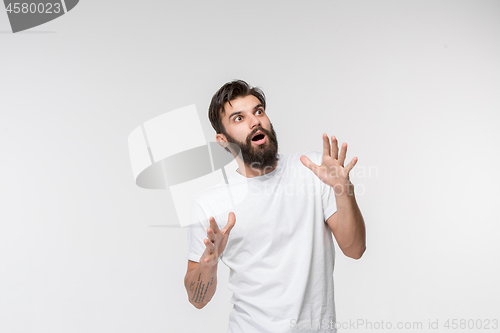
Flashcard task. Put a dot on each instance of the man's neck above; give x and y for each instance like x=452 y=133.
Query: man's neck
x=254 y=172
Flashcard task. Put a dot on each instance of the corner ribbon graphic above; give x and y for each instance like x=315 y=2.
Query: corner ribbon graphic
x=26 y=14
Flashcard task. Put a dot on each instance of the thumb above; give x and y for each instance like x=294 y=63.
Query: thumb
x=308 y=163
x=231 y=220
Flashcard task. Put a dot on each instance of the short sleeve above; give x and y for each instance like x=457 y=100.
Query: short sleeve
x=196 y=232
x=328 y=199
x=327 y=194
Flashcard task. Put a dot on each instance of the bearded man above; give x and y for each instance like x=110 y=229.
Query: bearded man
x=281 y=251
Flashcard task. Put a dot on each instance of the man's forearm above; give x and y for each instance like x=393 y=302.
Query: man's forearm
x=350 y=224
x=201 y=284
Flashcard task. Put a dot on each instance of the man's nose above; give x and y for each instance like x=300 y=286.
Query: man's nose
x=254 y=121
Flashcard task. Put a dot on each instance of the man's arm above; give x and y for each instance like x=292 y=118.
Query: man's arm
x=200 y=283
x=201 y=278
x=347 y=223
x=348 y=226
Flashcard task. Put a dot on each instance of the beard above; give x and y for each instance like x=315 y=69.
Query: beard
x=258 y=156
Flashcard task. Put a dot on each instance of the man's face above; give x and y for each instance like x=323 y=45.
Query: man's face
x=242 y=120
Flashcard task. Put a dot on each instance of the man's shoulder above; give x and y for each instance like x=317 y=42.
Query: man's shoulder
x=220 y=191
x=314 y=156
x=296 y=169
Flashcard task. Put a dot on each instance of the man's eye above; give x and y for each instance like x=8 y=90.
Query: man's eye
x=261 y=111
x=237 y=118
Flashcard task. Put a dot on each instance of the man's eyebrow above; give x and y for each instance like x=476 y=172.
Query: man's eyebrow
x=238 y=112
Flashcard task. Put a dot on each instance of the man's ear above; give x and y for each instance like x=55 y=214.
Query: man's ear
x=221 y=140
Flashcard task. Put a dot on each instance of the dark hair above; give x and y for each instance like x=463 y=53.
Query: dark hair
x=227 y=93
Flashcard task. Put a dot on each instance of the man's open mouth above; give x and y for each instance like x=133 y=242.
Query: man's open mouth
x=258 y=137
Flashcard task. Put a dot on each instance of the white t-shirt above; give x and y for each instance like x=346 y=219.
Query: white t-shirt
x=280 y=251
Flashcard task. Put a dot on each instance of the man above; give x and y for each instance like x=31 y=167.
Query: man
x=280 y=252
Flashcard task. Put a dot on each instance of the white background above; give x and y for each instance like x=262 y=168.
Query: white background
x=412 y=86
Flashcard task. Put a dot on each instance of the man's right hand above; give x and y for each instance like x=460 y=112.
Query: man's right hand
x=216 y=240
x=201 y=278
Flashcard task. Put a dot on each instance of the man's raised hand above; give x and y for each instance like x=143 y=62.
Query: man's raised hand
x=216 y=240
x=332 y=171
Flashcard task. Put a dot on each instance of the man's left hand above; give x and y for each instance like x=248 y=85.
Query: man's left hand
x=332 y=171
